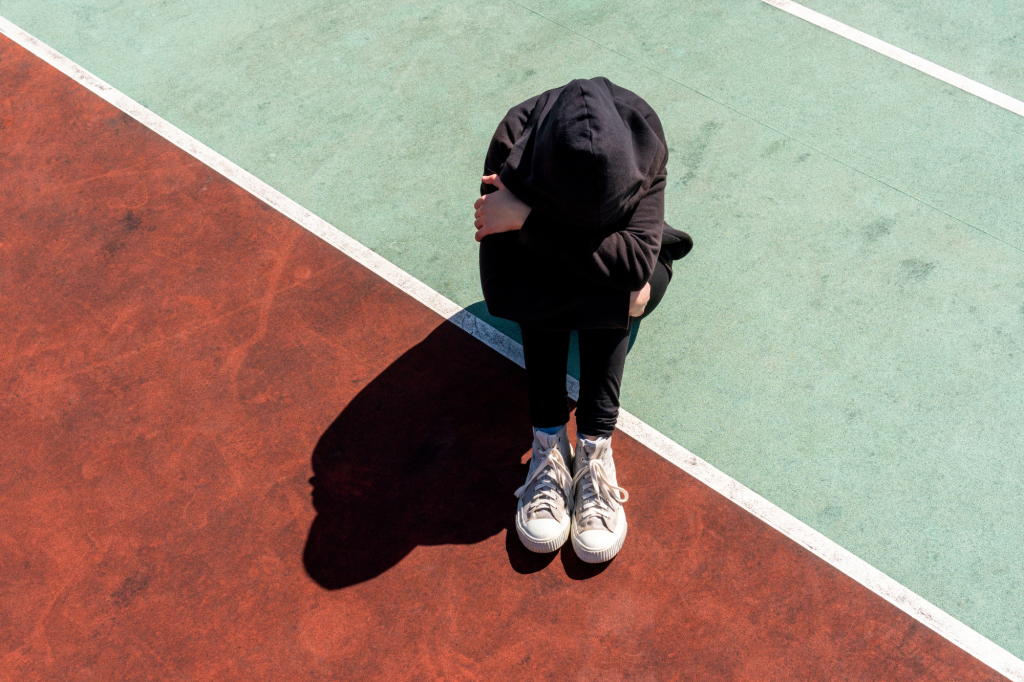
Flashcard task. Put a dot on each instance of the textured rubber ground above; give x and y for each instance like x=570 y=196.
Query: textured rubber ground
x=177 y=359
x=844 y=338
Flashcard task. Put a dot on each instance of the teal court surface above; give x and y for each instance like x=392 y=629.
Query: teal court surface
x=226 y=437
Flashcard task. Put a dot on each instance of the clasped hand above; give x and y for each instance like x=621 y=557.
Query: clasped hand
x=503 y=211
x=499 y=211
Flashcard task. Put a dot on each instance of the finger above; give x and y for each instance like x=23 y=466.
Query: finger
x=478 y=223
x=498 y=183
x=479 y=203
x=483 y=232
x=490 y=180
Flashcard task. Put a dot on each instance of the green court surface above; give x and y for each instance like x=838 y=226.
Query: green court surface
x=847 y=336
x=981 y=40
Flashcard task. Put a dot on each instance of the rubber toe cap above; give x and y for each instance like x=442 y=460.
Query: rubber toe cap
x=543 y=529
x=596 y=539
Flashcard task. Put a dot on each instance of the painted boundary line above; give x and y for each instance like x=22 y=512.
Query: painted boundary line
x=912 y=60
x=915 y=606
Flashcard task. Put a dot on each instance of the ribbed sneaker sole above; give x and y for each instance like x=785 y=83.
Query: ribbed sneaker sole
x=600 y=556
x=543 y=547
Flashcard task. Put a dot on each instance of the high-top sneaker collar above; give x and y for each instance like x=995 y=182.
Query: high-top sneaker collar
x=543 y=442
x=587 y=450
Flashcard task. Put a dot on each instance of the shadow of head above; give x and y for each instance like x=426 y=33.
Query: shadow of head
x=428 y=453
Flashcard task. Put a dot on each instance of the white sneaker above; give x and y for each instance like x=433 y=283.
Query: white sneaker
x=598 y=520
x=545 y=500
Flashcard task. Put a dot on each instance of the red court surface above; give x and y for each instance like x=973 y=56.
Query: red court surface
x=233 y=453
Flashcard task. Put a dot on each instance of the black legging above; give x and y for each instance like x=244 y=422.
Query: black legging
x=602 y=360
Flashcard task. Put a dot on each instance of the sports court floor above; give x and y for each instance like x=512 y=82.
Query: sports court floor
x=241 y=440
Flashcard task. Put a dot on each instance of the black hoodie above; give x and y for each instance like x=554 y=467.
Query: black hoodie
x=589 y=158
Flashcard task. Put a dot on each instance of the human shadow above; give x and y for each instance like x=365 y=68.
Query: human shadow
x=430 y=452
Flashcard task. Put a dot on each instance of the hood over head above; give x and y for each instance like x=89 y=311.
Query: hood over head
x=585 y=157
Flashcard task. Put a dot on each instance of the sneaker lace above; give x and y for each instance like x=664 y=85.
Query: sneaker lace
x=553 y=479
x=598 y=491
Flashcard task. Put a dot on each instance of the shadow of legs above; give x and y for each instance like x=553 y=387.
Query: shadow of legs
x=428 y=453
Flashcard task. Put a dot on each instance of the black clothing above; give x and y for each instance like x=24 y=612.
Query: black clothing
x=589 y=158
x=659 y=283
x=602 y=360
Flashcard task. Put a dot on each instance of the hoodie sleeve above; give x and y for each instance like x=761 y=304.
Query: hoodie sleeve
x=508 y=131
x=625 y=258
x=622 y=257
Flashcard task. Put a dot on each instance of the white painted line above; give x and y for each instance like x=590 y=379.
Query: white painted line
x=873 y=579
x=923 y=65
